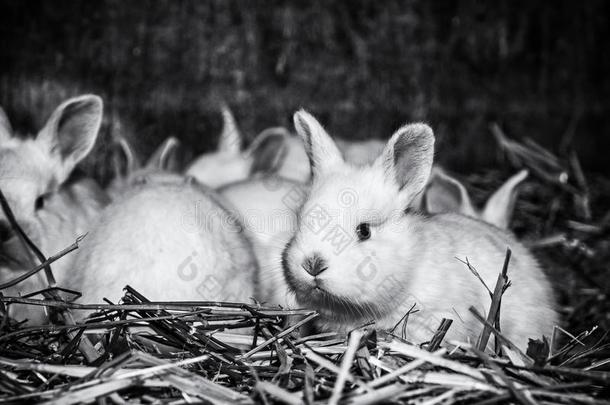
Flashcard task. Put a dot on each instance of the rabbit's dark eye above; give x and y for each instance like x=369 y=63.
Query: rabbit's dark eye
x=363 y=231
x=39 y=203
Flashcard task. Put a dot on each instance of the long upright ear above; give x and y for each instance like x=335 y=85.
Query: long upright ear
x=162 y=158
x=321 y=150
x=70 y=133
x=125 y=160
x=407 y=160
x=446 y=194
x=230 y=139
x=6 y=131
x=268 y=150
x=500 y=206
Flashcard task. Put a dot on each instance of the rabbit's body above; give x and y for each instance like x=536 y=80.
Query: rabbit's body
x=358 y=254
x=267 y=207
x=169 y=241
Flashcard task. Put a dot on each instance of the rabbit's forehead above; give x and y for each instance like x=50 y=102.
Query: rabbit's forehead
x=23 y=167
x=356 y=196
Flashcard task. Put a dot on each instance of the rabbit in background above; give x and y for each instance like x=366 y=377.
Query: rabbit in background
x=170 y=238
x=367 y=258
x=129 y=173
x=229 y=164
x=52 y=209
x=445 y=193
x=268 y=209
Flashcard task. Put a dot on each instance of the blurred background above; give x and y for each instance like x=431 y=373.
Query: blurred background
x=537 y=68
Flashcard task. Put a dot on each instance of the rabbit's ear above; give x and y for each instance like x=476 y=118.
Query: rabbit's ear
x=321 y=150
x=499 y=208
x=125 y=161
x=70 y=133
x=446 y=194
x=407 y=160
x=6 y=131
x=269 y=150
x=163 y=158
x=230 y=139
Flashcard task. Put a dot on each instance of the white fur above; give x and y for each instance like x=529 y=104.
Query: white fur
x=169 y=241
x=409 y=259
x=267 y=207
x=38 y=167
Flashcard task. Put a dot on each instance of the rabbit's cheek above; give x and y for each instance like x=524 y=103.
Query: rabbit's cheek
x=295 y=276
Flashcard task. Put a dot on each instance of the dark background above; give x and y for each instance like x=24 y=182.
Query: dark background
x=538 y=68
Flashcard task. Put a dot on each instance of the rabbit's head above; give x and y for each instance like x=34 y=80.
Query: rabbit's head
x=129 y=173
x=343 y=255
x=229 y=164
x=31 y=169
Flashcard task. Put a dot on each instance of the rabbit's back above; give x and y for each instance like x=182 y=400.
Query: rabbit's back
x=527 y=308
x=169 y=242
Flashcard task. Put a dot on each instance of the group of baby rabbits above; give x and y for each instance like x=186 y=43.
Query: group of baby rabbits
x=359 y=231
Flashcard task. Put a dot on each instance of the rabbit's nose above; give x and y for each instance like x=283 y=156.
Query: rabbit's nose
x=314 y=265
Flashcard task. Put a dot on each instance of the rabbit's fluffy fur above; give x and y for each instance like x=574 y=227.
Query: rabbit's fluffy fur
x=410 y=260
x=53 y=212
x=170 y=242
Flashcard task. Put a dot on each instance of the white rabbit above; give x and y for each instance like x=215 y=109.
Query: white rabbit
x=358 y=255
x=52 y=211
x=129 y=173
x=267 y=207
x=229 y=163
x=445 y=193
x=169 y=241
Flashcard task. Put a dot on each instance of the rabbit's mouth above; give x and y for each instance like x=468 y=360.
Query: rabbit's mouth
x=333 y=306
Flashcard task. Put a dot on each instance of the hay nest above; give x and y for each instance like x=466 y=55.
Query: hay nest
x=226 y=353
